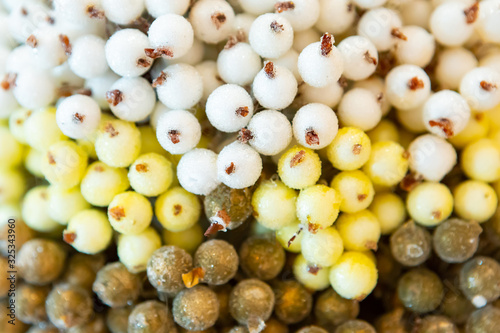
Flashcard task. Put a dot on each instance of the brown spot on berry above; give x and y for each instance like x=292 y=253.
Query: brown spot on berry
x=356 y=149
x=362 y=197
x=487 y=86
x=142 y=62
x=50 y=20
x=313 y=227
x=9 y=81
x=117 y=213
x=110 y=129
x=230 y=168
x=141 y=167
x=410 y=181
x=218 y=19
x=177 y=209
x=69 y=237
x=297 y=158
x=326 y=44
x=174 y=136
x=78 y=118
x=224 y=216
x=159 y=52
x=395 y=32
x=380 y=97
x=350 y=7
x=370 y=59
x=99 y=168
x=31 y=41
x=192 y=278
x=282 y=6
x=479 y=116
x=93 y=12
x=83 y=91
x=276 y=27
x=443 y=123
x=312 y=137
x=293 y=237
x=160 y=79
x=51 y=158
x=245 y=135
x=242 y=111
x=231 y=41
x=313 y=269
x=269 y=70
x=471 y=13
x=343 y=82
x=360 y=298
x=436 y=214
x=371 y=245
x=406 y=154
x=65 y=44
x=415 y=83
x=114 y=97
x=24 y=11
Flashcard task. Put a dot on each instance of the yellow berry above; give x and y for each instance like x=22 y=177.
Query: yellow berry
x=318 y=206
x=101 y=183
x=386 y=130
x=130 y=213
x=274 y=204
x=388 y=163
x=481 y=160
x=11 y=151
x=64 y=164
x=35 y=210
x=477 y=128
x=354 y=275
x=355 y=188
x=350 y=149
x=188 y=239
x=322 y=248
x=65 y=203
x=299 y=167
x=475 y=200
x=89 y=231
x=134 y=251
x=118 y=143
x=151 y=174
x=306 y=274
x=41 y=130
x=390 y=211
x=177 y=209
x=290 y=237
x=12 y=185
x=429 y=203
x=359 y=231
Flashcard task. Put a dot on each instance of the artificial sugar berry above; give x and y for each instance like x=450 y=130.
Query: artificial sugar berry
x=88 y=58
x=446 y=113
x=229 y=108
x=238 y=165
x=197 y=171
x=125 y=53
x=78 y=116
x=131 y=98
x=179 y=86
x=178 y=131
x=315 y=125
x=274 y=87
x=407 y=86
x=212 y=20
x=321 y=63
x=171 y=36
x=269 y=132
x=271 y=35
